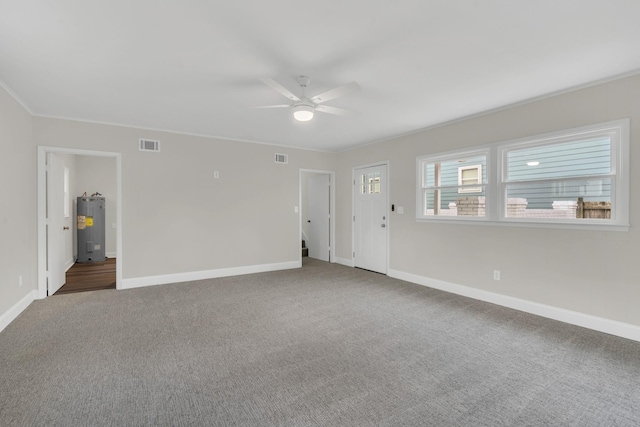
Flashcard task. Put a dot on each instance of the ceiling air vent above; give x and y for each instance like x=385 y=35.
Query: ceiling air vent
x=282 y=158
x=149 y=145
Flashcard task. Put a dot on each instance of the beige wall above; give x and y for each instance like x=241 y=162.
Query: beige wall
x=18 y=223
x=176 y=218
x=592 y=272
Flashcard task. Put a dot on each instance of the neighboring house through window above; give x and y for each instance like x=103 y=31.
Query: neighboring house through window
x=469 y=175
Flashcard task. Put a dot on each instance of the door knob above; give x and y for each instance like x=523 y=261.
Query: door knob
x=65 y=227
x=308 y=220
x=383 y=225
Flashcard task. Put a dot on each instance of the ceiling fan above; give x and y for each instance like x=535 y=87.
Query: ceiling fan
x=304 y=107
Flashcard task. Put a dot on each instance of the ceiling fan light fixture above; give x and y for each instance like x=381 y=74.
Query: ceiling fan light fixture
x=303 y=113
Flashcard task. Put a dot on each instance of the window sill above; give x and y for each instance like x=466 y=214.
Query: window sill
x=529 y=224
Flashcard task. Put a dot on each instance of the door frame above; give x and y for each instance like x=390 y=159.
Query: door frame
x=332 y=211
x=42 y=210
x=387 y=210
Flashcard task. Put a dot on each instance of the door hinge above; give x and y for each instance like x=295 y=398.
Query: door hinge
x=354 y=254
x=354 y=181
x=354 y=217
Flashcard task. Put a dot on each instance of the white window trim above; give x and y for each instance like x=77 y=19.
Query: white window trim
x=495 y=190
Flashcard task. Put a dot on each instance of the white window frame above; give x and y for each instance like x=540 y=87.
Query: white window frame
x=496 y=184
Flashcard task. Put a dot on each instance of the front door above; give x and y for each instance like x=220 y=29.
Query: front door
x=370 y=219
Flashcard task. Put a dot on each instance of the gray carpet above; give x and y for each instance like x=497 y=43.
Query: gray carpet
x=324 y=345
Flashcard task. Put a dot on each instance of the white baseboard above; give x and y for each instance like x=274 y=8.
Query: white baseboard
x=111 y=254
x=344 y=261
x=138 y=282
x=10 y=315
x=69 y=263
x=613 y=327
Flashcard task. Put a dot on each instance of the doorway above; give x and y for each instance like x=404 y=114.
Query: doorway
x=54 y=239
x=317 y=213
x=370 y=219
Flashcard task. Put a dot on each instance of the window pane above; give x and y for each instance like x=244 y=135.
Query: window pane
x=446 y=173
x=429 y=175
x=557 y=199
x=370 y=183
x=569 y=159
x=451 y=203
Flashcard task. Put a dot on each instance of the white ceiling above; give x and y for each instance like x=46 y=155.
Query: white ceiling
x=192 y=66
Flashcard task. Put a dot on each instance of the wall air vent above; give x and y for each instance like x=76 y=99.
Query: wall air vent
x=149 y=145
x=282 y=158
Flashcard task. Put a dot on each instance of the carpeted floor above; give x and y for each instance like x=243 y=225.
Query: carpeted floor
x=325 y=345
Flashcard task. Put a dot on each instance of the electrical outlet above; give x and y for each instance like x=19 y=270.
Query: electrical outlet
x=496 y=274
x=216 y=174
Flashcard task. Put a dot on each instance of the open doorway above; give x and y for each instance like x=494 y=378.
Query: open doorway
x=317 y=213
x=63 y=175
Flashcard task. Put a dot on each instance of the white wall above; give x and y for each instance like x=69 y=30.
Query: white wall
x=18 y=222
x=176 y=218
x=591 y=272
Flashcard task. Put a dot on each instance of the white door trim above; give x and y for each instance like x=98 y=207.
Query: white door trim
x=42 y=207
x=332 y=211
x=353 y=206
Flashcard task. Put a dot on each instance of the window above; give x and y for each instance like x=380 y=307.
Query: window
x=370 y=183
x=574 y=178
x=444 y=182
x=562 y=180
x=468 y=175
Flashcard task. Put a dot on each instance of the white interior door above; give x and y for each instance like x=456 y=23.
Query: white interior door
x=318 y=216
x=56 y=229
x=370 y=219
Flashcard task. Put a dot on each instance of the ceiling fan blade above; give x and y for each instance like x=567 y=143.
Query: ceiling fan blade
x=279 y=88
x=335 y=93
x=334 y=110
x=273 y=106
